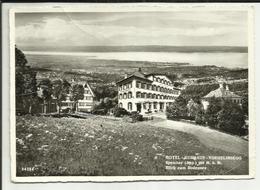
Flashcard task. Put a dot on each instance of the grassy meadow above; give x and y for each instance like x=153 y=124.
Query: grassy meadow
x=100 y=146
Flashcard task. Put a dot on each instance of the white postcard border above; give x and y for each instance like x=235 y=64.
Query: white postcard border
x=136 y=7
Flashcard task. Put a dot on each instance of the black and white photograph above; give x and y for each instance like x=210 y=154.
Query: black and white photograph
x=144 y=94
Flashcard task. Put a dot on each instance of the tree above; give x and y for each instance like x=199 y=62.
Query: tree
x=105 y=91
x=200 y=116
x=20 y=59
x=193 y=108
x=215 y=105
x=245 y=104
x=25 y=83
x=60 y=91
x=231 y=118
x=177 y=110
x=45 y=92
x=77 y=94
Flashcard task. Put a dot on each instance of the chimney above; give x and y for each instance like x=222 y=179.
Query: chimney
x=139 y=69
x=126 y=76
x=227 y=88
x=221 y=85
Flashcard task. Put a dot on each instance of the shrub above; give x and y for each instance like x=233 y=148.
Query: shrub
x=67 y=110
x=119 y=112
x=99 y=111
x=136 y=117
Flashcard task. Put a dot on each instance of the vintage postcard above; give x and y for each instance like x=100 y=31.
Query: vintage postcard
x=129 y=92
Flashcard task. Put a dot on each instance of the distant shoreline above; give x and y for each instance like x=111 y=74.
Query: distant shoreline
x=101 y=49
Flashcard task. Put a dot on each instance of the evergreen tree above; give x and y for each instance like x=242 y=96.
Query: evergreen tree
x=25 y=83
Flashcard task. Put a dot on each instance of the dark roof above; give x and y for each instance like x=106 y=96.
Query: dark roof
x=161 y=74
x=151 y=74
x=137 y=74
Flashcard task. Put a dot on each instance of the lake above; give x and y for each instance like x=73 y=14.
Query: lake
x=77 y=60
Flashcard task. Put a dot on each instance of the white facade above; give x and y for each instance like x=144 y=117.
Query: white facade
x=84 y=105
x=146 y=93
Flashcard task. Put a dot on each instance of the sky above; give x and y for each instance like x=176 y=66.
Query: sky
x=182 y=28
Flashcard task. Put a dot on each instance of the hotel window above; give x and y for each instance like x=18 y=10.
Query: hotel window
x=144 y=106
x=138 y=94
x=138 y=84
x=143 y=85
x=150 y=106
x=158 y=96
x=158 y=88
x=129 y=106
x=148 y=86
x=120 y=105
x=125 y=95
x=148 y=95
x=154 y=105
x=86 y=91
x=143 y=95
x=130 y=85
x=120 y=96
x=129 y=94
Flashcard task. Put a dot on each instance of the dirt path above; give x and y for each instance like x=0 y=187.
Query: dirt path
x=209 y=137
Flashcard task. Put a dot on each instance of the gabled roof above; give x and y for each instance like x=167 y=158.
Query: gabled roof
x=221 y=93
x=84 y=84
x=92 y=93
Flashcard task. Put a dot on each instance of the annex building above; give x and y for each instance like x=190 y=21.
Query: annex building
x=146 y=93
x=222 y=93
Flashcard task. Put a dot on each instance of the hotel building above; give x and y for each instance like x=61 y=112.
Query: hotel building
x=146 y=93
